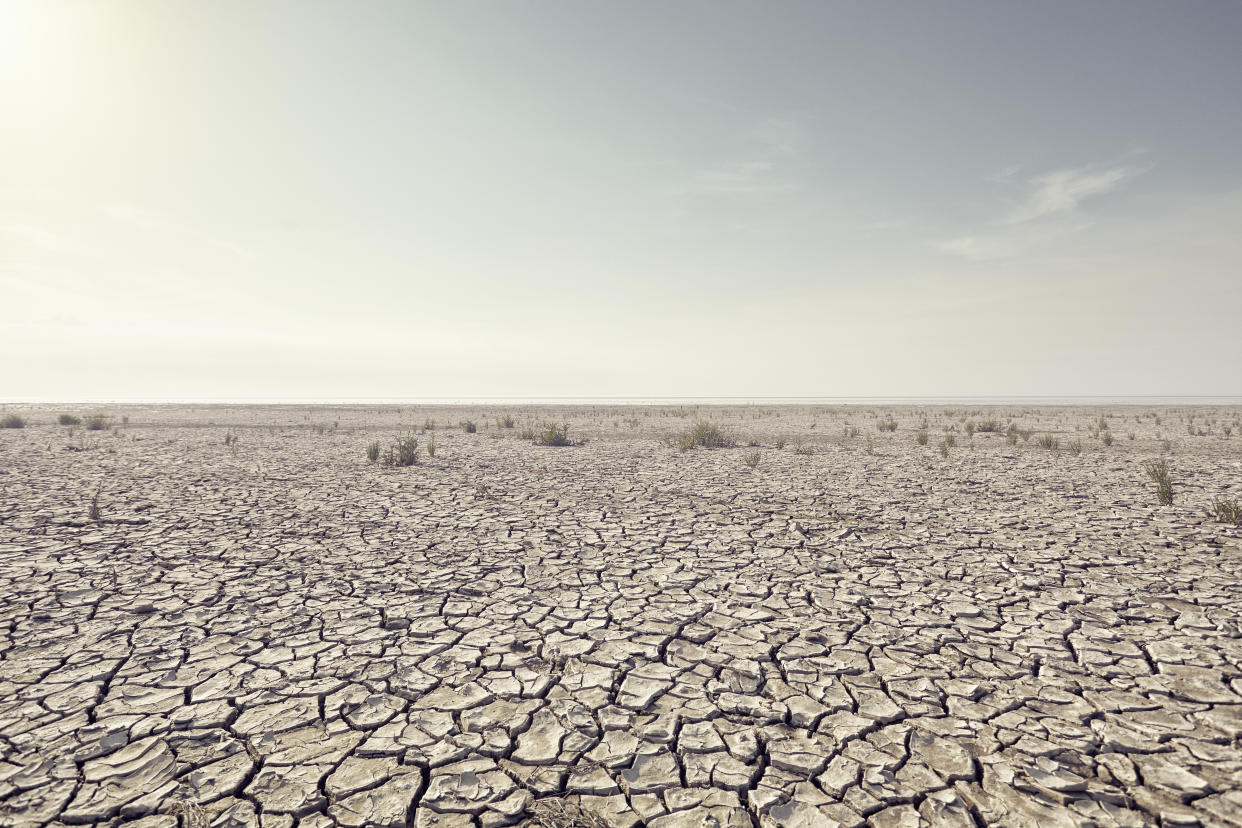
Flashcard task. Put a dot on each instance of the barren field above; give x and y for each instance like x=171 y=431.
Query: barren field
x=835 y=626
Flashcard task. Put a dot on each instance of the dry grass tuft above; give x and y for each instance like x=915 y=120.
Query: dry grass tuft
x=1224 y=510
x=556 y=812
x=1158 y=473
x=703 y=435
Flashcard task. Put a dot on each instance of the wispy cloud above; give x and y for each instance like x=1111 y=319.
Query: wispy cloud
x=1049 y=208
x=1063 y=191
x=36 y=236
x=760 y=164
x=154 y=221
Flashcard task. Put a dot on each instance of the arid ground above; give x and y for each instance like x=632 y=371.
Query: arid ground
x=857 y=629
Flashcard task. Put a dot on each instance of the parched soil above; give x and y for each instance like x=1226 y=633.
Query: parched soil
x=859 y=630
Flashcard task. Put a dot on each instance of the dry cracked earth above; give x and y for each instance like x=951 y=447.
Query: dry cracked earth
x=856 y=631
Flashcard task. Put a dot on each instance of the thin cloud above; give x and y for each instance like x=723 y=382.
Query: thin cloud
x=153 y=221
x=1062 y=191
x=1050 y=209
x=758 y=168
x=745 y=177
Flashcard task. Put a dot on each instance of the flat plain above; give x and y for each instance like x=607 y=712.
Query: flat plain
x=837 y=625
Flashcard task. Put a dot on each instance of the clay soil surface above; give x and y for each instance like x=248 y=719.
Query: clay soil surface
x=857 y=630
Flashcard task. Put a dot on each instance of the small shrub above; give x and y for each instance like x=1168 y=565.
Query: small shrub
x=1075 y=448
x=921 y=437
x=1047 y=441
x=1107 y=438
x=804 y=450
x=1224 y=510
x=97 y=422
x=950 y=440
x=373 y=451
x=402 y=453
x=469 y=426
x=944 y=447
x=751 y=458
x=13 y=421
x=431 y=446
x=988 y=427
x=429 y=424
x=703 y=435
x=92 y=510
x=887 y=425
x=1158 y=473
x=780 y=442
x=506 y=421
x=970 y=429
x=553 y=435
x=69 y=420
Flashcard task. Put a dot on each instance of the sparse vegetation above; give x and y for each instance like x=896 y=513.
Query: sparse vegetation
x=988 y=427
x=402 y=453
x=373 y=452
x=97 y=422
x=504 y=421
x=92 y=510
x=751 y=458
x=469 y=426
x=431 y=446
x=69 y=420
x=553 y=434
x=1047 y=441
x=921 y=438
x=887 y=425
x=703 y=434
x=944 y=447
x=1075 y=447
x=13 y=421
x=970 y=429
x=1224 y=510
x=1158 y=472
x=1107 y=438
x=780 y=442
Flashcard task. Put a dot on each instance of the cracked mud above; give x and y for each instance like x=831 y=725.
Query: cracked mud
x=276 y=633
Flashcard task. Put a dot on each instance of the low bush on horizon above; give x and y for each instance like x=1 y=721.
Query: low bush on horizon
x=469 y=426
x=402 y=453
x=69 y=420
x=97 y=422
x=703 y=435
x=505 y=421
x=13 y=421
x=553 y=434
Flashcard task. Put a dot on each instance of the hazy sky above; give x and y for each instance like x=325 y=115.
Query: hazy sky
x=301 y=199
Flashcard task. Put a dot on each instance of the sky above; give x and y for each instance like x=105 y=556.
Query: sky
x=313 y=200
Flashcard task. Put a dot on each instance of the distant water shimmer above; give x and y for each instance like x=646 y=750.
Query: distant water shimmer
x=638 y=401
